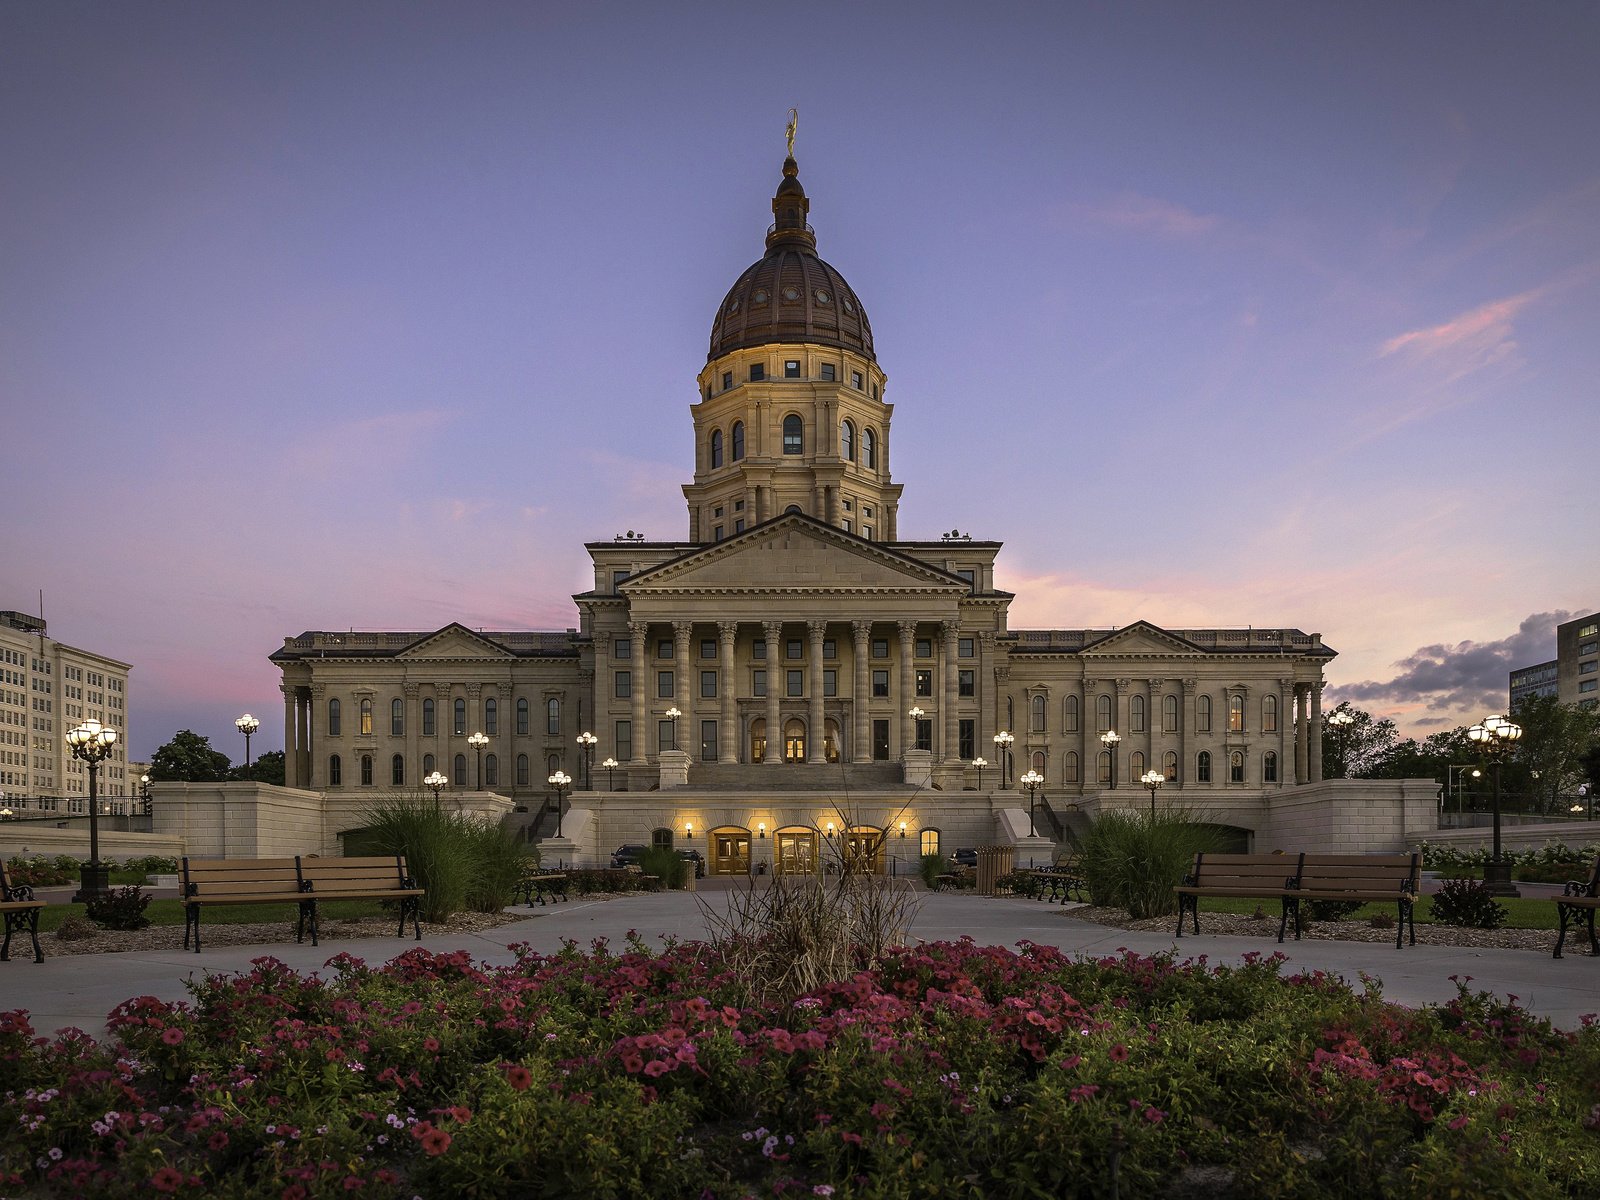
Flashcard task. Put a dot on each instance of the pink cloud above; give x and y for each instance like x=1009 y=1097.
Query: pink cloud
x=1468 y=342
x=1146 y=214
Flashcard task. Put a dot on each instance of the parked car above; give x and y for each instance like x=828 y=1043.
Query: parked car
x=966 y=856
x=699 y=863
x=627 y=856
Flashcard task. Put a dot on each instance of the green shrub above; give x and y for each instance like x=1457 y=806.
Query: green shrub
x=498 y=860
x=931 y=866
x=1133 y=861
x=462 y=862
x=1467 y=903
x=122 y=908
x=665 y=865
x=1020 y=883
x=152 y=864
x=1330 y=910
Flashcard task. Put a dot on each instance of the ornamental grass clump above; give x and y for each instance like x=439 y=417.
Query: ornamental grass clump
x=666 y=865
x=1133 y=860
x=464 y=863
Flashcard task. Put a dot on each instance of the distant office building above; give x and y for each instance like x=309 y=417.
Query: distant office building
x=1573 y=676
x=46 y=688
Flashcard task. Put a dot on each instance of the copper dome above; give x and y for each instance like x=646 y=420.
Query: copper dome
x=790 y=295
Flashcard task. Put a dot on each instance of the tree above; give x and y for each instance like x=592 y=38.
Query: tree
x=267 y=768
x=1550 y=753
x=1431 y=758
x=189 y=758
x=1353 y=750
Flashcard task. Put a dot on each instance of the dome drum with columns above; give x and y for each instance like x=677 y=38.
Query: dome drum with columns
x=809 y=652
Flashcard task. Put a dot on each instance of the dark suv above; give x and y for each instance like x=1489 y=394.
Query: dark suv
x=627 y=856
x=966 y=856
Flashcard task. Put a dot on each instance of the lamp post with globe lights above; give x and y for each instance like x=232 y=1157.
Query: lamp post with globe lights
x=980 y=763
x=436 y=781
x=611 y=766
x=560 y=781
x=916 y=714
x=92 y=742
x=1341 y=720
x=247 y=725
x=1110 y=739
x=1031 y=782
x=673 y=714
x=1495 y=738
x=1002 y=749
x=478 y=741
x=144 y=793
x=1153 y=780
x=586 y=744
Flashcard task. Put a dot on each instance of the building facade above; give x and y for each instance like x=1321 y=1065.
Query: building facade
x=47 y=688
x=794 y=641
x=1573 y=676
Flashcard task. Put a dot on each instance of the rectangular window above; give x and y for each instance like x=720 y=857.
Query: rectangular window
x=924 y=648
x=624 y=687
x=738 y=506
x=794 y=649
x=716 y=533
x=970 y=576
x=664 y=685
x=880 y=740
x=880 y=648
x=1588 y=629
x=830 y=682
x=758 y=683
x=924 y=683
x=758 y=372
x=1588 y=647
x=1588 y=668
x=791 y=368
x=663 y=649
x=1586 y=685
x=967 y=736
x=848 y=528
x=925 y=734
x=964 y=647
x=664 y=736
x=708 y=648
x=618 y=578
x=966 y=686
x=738 y=525
x=758 y=649
x=830 y=648
x=866 y=532
x=708 y=741
x=727 y=380
x=855 y=380
x=880 y=683
x=795 y=683
x=828 y=371
x=622 y=648
x=708 y=684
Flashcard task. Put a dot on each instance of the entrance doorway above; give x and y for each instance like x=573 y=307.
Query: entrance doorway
x=794 y=740
x=758 y=740
x=863 y=850
x=830 y=740
x=730 y=851
x=795 y=851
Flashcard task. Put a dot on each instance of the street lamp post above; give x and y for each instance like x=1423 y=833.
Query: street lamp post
x=92 y=743
x=478 y=741
x=673 y=714
x=980 y=764
x=1110 y=739
x=247 y=725
x=1031 y=782
x=1153 y=780
x=586 y=744
x=436 y=781
x=144 y=792
x=611 y=765
x=916 y=714
x=1495 y=737
x=1341 y=720
x=1002 y=747
x=561 y=781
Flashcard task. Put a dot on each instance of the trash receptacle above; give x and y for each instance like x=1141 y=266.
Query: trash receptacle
x=993 y=862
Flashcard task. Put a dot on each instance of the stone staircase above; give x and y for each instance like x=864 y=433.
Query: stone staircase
x=832 y=778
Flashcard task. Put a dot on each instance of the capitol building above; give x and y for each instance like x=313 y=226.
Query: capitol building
x=798 y=668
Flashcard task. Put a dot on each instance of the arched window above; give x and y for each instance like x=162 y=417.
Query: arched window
x=847 y=442
x=335 y=771
x=1038 y=761
x=716 y=448
x=1036 y=710
x=1169 y=766
x=427 y=719
x=1103 y=767
x=1236 y=713
x=428 y=765
x=1169 y=714
x=333 y=718
x=397 y=718
x=1069 y=715
x=397 y=770
x=522 y=770
x=793 y=435
x=1136 y=714
x=869 y=450
x=1069 y=767
x=1269 y=767
x=1236 y=766
x=366 y=770
x=1202 y=714
x=460 y=717
x=366 y=716
x=552 y=765
x=552 y=716
x=491 y=717
x=522 y=717
x=930 y=841
x=1269 y=714
x=458 y=774
x=1136 y=764
x=491 y=770
x=738 y=440
x=1202 y=767
x=1102 y=713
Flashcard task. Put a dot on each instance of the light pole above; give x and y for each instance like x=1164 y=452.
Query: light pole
x=92 y=743
x=1341 y=720
x=478 y=741
x=1110 y=739
x=1457 y=776
x=1031 y=782
x=1583 y=795
x=1002 y=747
x=6 y=814
x=436 y=781
x=916 y=714
x=673 y=714
x=586 y=744
x=980 y=764
x=1495 y=737
x=610 y=765
x=144 y=792
x=247 y=725
x=561 y=781
x=1153 y=780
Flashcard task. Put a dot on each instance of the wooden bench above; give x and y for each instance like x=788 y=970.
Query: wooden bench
x=209 y=882
x=1577 y=902
x=1064 y=881
x=1363 y=878
x=1239 y=876
x=540 y=884
x=21 y=911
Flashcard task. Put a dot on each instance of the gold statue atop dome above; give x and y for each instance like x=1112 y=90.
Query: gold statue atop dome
x=794 y=120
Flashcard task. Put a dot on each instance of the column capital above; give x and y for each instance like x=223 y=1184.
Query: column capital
x=908 y=630
x=682 y=629
x=639 y=629
x=862 y=630
x=412 y=689
x=585 y=677
x=474 y=690
x=288 y=690
x=317 y=690
x=1123 y=685
x=728 y=631
x=948 y=630
x=1002 y=674
x=816 y=629
x=774 y=631
x=987 y=639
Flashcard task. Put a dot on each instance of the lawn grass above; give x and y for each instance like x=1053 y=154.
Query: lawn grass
x=1521 y=912
x=170 y=912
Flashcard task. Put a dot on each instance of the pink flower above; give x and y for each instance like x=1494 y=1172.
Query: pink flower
x=431 y=1045
x=172 y=1035
x=1119 y=1053
x=436 y=1142
x=656 y=1068
x=166 y=1180
x=519 y=1078
x=1154 y=1115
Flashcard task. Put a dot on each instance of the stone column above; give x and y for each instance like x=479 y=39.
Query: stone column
x=906 y=700
x=505 y=728
x=1315 y=749
x=639 y=642
x=861 y=691
x=291 y=758
x=729 y=736
x=1152 y=722
x=1119 y=717
x=951 y=749
x=314 y=701
x=414 y=771
x=683 y=697
x=984 y=670
x=441 y=718
x=1285 y=746
x=773 y=632
x=303 y=740
x=1302 y=766
x=814 y=717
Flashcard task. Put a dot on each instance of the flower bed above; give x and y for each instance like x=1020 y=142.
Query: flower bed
x=952 y=1070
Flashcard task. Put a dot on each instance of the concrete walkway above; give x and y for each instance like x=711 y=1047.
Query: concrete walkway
x=79 y=990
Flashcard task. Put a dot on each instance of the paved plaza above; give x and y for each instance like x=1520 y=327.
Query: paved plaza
x=80 y=989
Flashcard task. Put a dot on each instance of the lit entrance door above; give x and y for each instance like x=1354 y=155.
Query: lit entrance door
x=794 y=742
x=758 y=740
x=864 y=851
x=730 y=852
x=797 y=852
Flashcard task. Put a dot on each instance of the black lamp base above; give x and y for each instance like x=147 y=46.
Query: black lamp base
x=1497 y=877
x=94 y=879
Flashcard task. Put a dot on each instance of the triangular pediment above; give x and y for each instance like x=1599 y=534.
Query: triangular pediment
x=1142 y=638
x=794 y=553
x=454 y=641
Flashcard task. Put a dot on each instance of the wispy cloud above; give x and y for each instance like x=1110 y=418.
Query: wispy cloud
x=1147 y=214
x=1470 y=341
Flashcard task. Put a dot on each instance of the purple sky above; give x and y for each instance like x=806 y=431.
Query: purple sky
x=326 y=315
